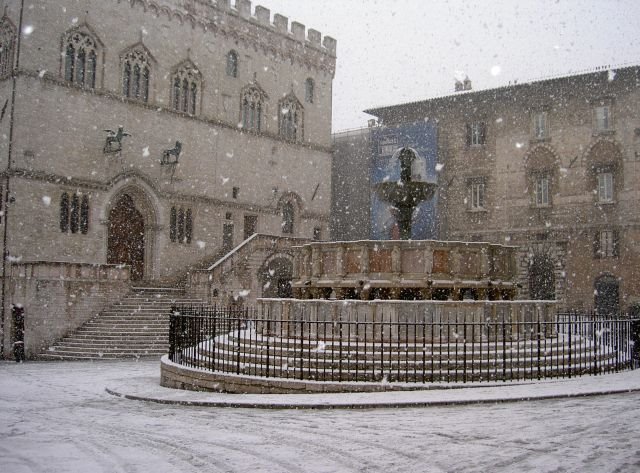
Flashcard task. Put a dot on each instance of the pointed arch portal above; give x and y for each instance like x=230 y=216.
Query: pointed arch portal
x=126 y=236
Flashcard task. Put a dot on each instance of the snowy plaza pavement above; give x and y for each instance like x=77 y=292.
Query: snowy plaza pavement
x=57 y=417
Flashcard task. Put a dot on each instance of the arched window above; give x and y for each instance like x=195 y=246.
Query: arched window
x=84 y=215
x=74 y=213
x=136 y=74
x=173 y=224
x=291 y=118
x=64 y=213
x=186 y=82
x=288 y=216
x=251 y=107
x=80 y=58
x=7 y=46
x=181 y=225
x=232 y=64
x=188 y=226
x=309 y=90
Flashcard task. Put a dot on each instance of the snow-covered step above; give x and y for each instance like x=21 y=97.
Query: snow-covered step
x=135 y=326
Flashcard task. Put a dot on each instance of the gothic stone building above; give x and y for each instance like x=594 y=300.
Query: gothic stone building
x=551 y=166
x=219 y=124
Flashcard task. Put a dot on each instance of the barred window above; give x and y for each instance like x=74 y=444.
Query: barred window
x=476 y=133
x=606 y=244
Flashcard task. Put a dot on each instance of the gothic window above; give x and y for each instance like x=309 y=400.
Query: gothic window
x=291 y=118
x=81 y=59
x=232 y=64
x=309 y=90
x=252 y=100
x=181 y=225
x=7 y=46
x=74 y=213
x=187 y=82
x=136 y=74
x=288 y=215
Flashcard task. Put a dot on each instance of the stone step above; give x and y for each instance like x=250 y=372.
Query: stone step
x=136 y=325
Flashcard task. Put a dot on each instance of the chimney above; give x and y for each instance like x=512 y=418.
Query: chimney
x=458 y=86
x=466 y=85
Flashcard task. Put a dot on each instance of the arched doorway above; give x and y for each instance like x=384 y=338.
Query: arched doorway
x=607 y=295
x=276 y=277
x=542 y=280
x=126 y=236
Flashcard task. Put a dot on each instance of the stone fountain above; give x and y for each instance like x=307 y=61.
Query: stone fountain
x=409 y=191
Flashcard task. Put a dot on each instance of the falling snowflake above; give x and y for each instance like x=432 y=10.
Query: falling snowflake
x=201 y=244
x=145 y=152
x=46 y=199
x=27 y=30
x=496 y=70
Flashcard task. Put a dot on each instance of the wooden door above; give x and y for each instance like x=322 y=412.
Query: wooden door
x=126 y=237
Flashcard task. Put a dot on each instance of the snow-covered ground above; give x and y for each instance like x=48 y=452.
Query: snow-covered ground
x=57 y=417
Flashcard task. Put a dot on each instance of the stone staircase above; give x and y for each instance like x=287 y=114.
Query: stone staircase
x=135 y=326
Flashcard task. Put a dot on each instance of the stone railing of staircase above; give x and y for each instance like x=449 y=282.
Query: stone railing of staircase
x=57 y=298
x=201 y=282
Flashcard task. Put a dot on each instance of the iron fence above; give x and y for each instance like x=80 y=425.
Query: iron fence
x=241 y=341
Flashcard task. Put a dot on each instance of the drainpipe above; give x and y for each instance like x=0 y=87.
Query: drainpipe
x=14 y=80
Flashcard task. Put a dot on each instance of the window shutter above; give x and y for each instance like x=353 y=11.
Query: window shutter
x=188 y=226
x=616 y=243
x=468 y=134
x=483 y=132
x=596 y=245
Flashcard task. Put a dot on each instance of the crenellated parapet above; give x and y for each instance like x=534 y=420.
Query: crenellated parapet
x=277 y=37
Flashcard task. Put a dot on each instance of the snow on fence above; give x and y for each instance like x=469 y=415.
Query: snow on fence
x=456 y=349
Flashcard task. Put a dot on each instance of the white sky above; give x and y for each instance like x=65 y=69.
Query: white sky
x=396 y=51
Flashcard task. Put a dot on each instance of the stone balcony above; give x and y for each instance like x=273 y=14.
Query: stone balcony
x=406 y=270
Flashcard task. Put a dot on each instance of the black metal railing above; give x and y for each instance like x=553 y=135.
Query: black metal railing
x=241 y=341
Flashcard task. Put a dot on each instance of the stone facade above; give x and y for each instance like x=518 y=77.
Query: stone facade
x=549 y=166
x=226 y=131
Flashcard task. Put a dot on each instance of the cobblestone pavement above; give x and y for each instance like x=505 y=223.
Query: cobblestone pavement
x=56 y=417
